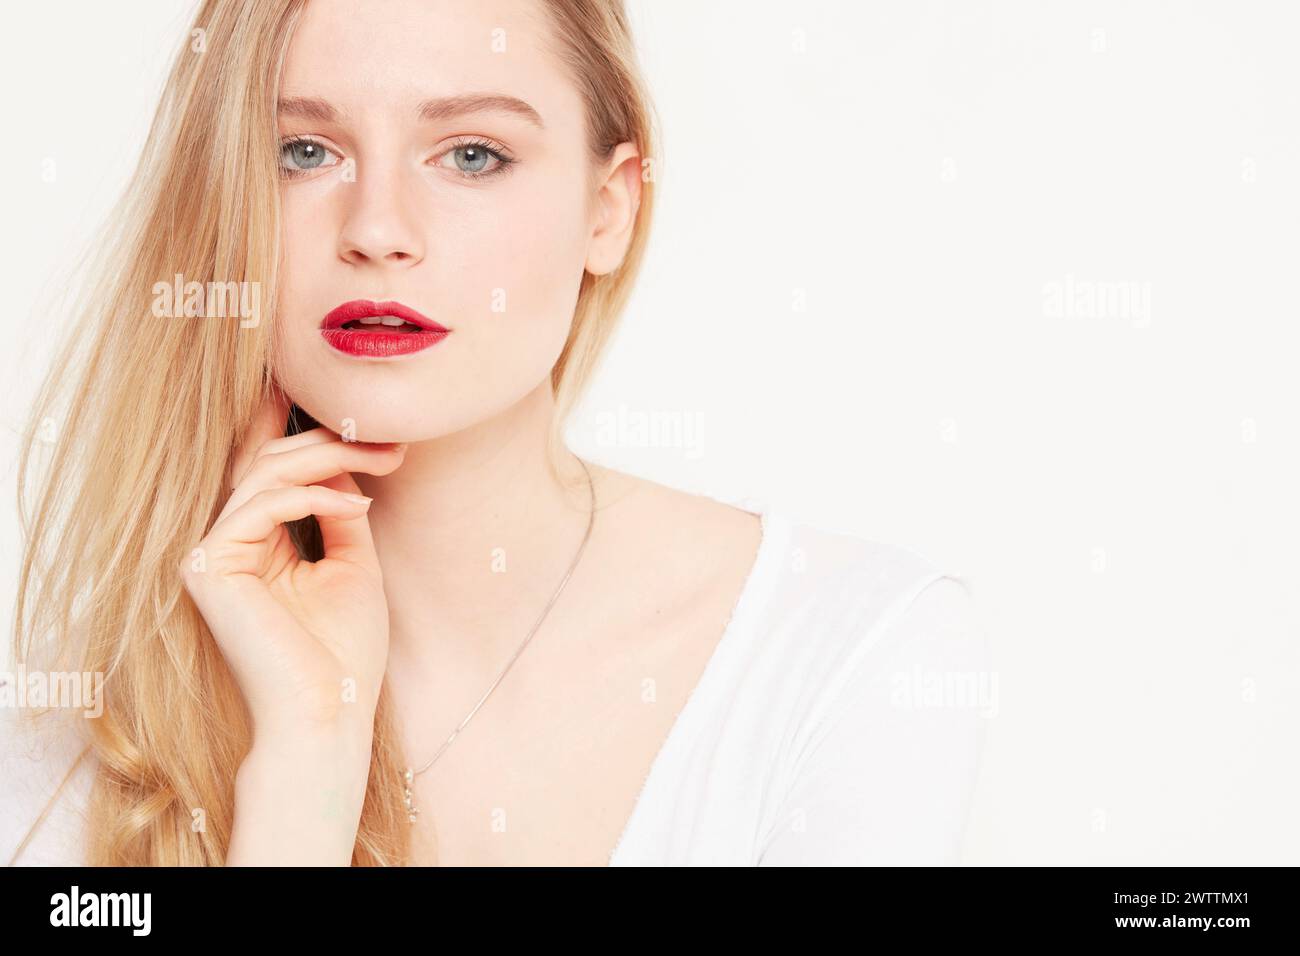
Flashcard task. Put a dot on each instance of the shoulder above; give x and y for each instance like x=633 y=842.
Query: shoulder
x=37 y=752
x=663 y=519
x=665 y=512
x=685 y=545
x=854 y=616
x=822 y=598
x=865 y=584
x=886 y=670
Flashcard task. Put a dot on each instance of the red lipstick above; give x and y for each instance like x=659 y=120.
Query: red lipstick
x=379 y=329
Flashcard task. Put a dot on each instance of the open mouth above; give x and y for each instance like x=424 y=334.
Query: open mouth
x=380 y=329
x=382 y=323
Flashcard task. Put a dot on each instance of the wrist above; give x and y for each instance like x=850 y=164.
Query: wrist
x=298 y=748
x=298 y=800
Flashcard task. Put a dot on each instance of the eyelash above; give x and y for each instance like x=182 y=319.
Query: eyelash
x=503 y=165
x=504 y=160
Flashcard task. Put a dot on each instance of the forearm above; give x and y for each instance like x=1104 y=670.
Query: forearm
x=298 y=801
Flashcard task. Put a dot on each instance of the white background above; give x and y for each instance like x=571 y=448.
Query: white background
x=864 y=209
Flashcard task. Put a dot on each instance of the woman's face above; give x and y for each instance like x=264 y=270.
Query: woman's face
x=434 y=155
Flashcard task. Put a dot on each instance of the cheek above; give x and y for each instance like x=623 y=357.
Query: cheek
x=308 y=251
x=303 y=280
x=514 y=276
x=527 y=259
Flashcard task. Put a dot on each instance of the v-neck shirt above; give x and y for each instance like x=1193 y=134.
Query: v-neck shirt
x=839 y=720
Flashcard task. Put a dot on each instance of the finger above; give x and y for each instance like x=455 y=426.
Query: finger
x=348 y=539
x=268 y=424
x=310 y=464
x=311 y=436
x=254 y=520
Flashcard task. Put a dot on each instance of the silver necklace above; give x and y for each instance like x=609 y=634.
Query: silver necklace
x=409 y=776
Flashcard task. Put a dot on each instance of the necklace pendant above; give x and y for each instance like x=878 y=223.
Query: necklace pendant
x=411 y=812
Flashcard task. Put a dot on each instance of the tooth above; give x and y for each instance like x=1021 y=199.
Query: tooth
x=393 y=320
x=369 y=320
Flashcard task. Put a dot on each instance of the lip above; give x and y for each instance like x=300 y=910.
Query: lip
x=379 y=344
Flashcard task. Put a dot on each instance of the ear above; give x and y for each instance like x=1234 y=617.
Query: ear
x=618 y=197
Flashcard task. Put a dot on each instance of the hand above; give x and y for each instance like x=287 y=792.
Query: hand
x=307 y=642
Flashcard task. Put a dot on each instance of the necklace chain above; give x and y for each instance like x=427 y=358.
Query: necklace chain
x=408 y=778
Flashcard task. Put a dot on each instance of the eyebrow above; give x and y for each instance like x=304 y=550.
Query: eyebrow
x=438 y=108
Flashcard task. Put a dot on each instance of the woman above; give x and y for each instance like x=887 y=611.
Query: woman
x=308 y=553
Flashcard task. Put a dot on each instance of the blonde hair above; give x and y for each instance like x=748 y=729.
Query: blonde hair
x=155 y=408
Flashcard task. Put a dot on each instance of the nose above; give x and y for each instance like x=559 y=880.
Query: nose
x=380 y=225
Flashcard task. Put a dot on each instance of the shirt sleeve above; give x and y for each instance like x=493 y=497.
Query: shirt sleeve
x=889 y=779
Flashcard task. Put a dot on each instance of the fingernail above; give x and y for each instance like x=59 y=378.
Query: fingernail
x=359 y=499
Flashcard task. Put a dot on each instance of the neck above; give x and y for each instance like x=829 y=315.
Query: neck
x=474 y=533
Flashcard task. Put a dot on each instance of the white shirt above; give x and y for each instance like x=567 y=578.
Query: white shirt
x=839 y=721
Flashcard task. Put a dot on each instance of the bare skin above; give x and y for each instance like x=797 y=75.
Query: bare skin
x=548 y=771
x=433 y=584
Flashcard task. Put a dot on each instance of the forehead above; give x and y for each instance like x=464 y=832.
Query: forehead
x=367 y=56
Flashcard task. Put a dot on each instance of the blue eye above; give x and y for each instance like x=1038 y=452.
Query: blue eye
x=477 y=159
x=301 y=155
x=471 y=159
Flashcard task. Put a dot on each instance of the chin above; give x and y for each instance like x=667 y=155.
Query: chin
x=370 y=420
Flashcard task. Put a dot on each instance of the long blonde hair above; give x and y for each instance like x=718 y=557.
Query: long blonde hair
x=148 y=411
